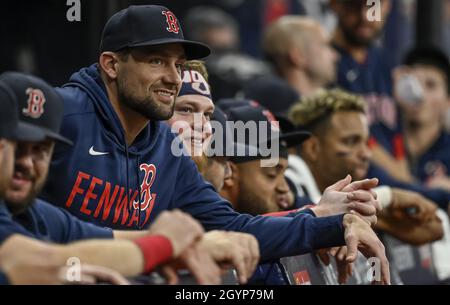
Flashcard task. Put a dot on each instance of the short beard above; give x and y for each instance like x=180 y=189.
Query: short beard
x=357 y=41
x=146 y=106
x=248 y=203
x=17 y=208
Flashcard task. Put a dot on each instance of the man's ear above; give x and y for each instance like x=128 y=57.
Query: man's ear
x=230 y=189
x=109 y=64
x=232 y=180
x=296 y=57
x=311 y=148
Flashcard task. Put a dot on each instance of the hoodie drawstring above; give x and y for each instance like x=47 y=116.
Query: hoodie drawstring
x=130 y=204
x=140 y=193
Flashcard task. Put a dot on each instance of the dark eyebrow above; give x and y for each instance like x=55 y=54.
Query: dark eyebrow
x=159 y=50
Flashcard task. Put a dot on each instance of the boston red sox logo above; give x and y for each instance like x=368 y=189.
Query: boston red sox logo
x=172 y=22
x=36 y=100
x=147 y=198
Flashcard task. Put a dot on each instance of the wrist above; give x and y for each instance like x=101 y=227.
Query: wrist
x=348 y=219
x=156 y=250
x=385 y=196
x=320 y=211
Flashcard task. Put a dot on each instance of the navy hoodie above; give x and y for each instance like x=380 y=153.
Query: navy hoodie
x=101 y=180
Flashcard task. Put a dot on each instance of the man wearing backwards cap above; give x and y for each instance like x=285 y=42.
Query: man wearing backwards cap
x=121 y=172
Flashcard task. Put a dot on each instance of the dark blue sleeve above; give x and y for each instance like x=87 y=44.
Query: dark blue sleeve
x=64 y=228
x=440 y=197
x=301 y=201
x=8 y=227
x=3 y=279
x=277 y=236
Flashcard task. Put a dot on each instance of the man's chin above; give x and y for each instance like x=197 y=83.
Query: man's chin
x=18 y=206
x=18 y=201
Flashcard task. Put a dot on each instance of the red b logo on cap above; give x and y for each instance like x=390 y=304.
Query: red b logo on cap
x=36 y=100
x=172 y=22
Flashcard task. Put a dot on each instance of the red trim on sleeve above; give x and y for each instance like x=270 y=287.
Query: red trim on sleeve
x=284 y=213
x=156 y=249
x=399 y=147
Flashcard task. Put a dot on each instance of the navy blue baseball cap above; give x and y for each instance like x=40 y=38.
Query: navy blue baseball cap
x=10 y=125
x=224 y=146
x=257 y=113
x=273 y=93
x=147 y=25
x=285 y=125
x=38 y=104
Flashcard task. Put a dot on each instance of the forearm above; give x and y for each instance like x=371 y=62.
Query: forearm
x=122 y=256
x=129 y=235
x=413 y=234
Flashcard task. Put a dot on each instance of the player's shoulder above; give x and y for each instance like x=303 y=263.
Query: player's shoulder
x=46 y=209
x=76 y=100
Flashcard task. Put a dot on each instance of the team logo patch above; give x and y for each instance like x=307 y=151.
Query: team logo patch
x=172 y=22
x=147 y=198
x=36 y=100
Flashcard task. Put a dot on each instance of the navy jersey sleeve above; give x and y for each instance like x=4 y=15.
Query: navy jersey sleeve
x=3 y=279
x=8 y=227
x=64 y=228
x=277 y=236
x=440 y=197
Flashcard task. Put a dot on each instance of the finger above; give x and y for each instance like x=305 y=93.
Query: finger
x=169 y=273
x=360 y=195
x=247 y=259
x=365 y=184
x=342 y=271
x=385 y=274
x=323 y=256
x=363 y=208
x=334 y=251
x=342 y=253
x=213 y=271
x=104 y=275
x=86 y=279
x=351 y=242
x=370 y=220
x=338 y=186
x=365 y=196
x=239 y=265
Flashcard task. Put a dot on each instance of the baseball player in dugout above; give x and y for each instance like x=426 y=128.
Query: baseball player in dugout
x=120 y=172
x=25 y=219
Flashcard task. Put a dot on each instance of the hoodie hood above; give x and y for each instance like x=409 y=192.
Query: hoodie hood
x=89 y=80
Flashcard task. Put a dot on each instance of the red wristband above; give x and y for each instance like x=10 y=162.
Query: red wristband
x=156 y=249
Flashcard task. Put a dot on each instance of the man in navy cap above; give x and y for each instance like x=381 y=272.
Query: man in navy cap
x=21 y=214
x=11 y=130
x=121 y=172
